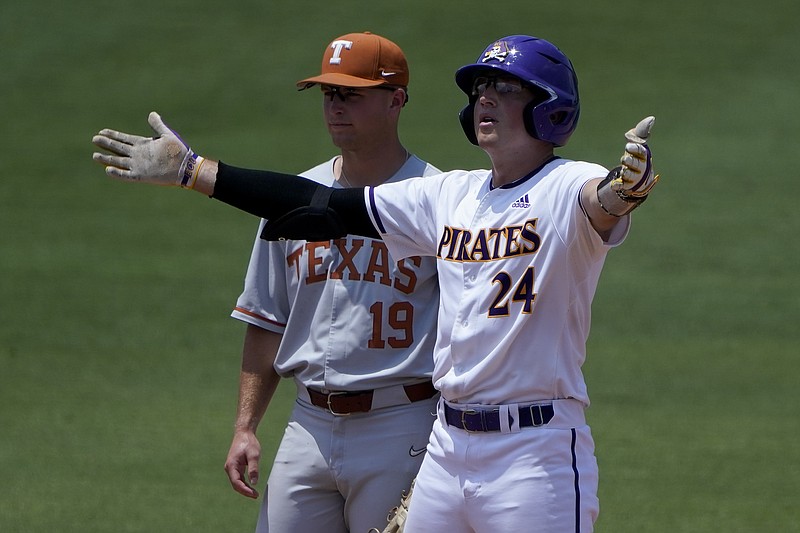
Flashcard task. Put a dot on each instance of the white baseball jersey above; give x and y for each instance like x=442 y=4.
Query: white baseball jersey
x=518 y=267
x=352 y=318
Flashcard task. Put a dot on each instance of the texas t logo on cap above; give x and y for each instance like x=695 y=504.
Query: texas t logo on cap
x=337 y=47
x=361 y=60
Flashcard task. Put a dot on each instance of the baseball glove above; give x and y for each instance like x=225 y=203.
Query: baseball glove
x=397 y=516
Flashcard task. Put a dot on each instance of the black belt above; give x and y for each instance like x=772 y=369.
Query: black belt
x=345 y=403
x=489 y=419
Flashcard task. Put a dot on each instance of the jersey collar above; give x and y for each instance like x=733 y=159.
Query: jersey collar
x=524 y=178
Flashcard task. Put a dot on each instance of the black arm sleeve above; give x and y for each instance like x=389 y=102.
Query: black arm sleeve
x=295 y=207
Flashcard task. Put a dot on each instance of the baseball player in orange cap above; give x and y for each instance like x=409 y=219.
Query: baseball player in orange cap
x=351 y=327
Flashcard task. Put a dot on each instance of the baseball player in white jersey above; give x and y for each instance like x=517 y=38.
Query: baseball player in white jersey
x=519 y=251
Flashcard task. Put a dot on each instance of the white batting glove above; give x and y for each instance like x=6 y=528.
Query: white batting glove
x=636 y=176
x=162 y=160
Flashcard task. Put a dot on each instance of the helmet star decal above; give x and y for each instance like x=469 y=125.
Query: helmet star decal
x=498 y=51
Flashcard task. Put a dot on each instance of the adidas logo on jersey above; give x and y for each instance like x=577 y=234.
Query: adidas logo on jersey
x=522 y=203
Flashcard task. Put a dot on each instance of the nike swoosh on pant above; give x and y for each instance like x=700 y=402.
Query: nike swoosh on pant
x=413 y=452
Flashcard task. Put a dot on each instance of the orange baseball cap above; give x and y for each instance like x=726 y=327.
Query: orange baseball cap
x=361 y=60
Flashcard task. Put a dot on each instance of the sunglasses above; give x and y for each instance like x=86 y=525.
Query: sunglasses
x=503 y=85
x=343 y=93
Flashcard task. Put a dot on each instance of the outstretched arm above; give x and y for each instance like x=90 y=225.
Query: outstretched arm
x=296 y=208
x=164 y=159
x=626 y=186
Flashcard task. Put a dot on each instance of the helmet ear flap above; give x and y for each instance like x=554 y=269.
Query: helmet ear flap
x=467 y=119
x=528 y=118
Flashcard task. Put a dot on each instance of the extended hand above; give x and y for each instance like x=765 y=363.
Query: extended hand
x=636 y=176
x=162 y=160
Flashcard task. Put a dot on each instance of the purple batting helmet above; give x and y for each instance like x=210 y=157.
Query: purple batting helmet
x=551 y=117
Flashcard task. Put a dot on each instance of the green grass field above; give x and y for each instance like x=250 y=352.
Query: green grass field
x=119 y=363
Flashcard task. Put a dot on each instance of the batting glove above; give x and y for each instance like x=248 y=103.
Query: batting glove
x=162 y=160
x=636 y=177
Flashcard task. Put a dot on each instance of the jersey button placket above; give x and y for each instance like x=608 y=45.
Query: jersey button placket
x=469 y=278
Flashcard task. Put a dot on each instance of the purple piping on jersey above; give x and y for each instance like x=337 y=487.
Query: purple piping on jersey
x=577 y=484
x=375 y=210
x=524 y=178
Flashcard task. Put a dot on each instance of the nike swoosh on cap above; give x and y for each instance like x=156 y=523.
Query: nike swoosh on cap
x=384 y=73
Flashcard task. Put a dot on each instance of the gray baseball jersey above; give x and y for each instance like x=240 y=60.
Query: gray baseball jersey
x=352 y=318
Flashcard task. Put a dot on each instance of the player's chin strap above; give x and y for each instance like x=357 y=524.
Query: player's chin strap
x=617 y=201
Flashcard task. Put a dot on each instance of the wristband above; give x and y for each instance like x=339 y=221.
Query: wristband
x=614 y=201
x=190 y=169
